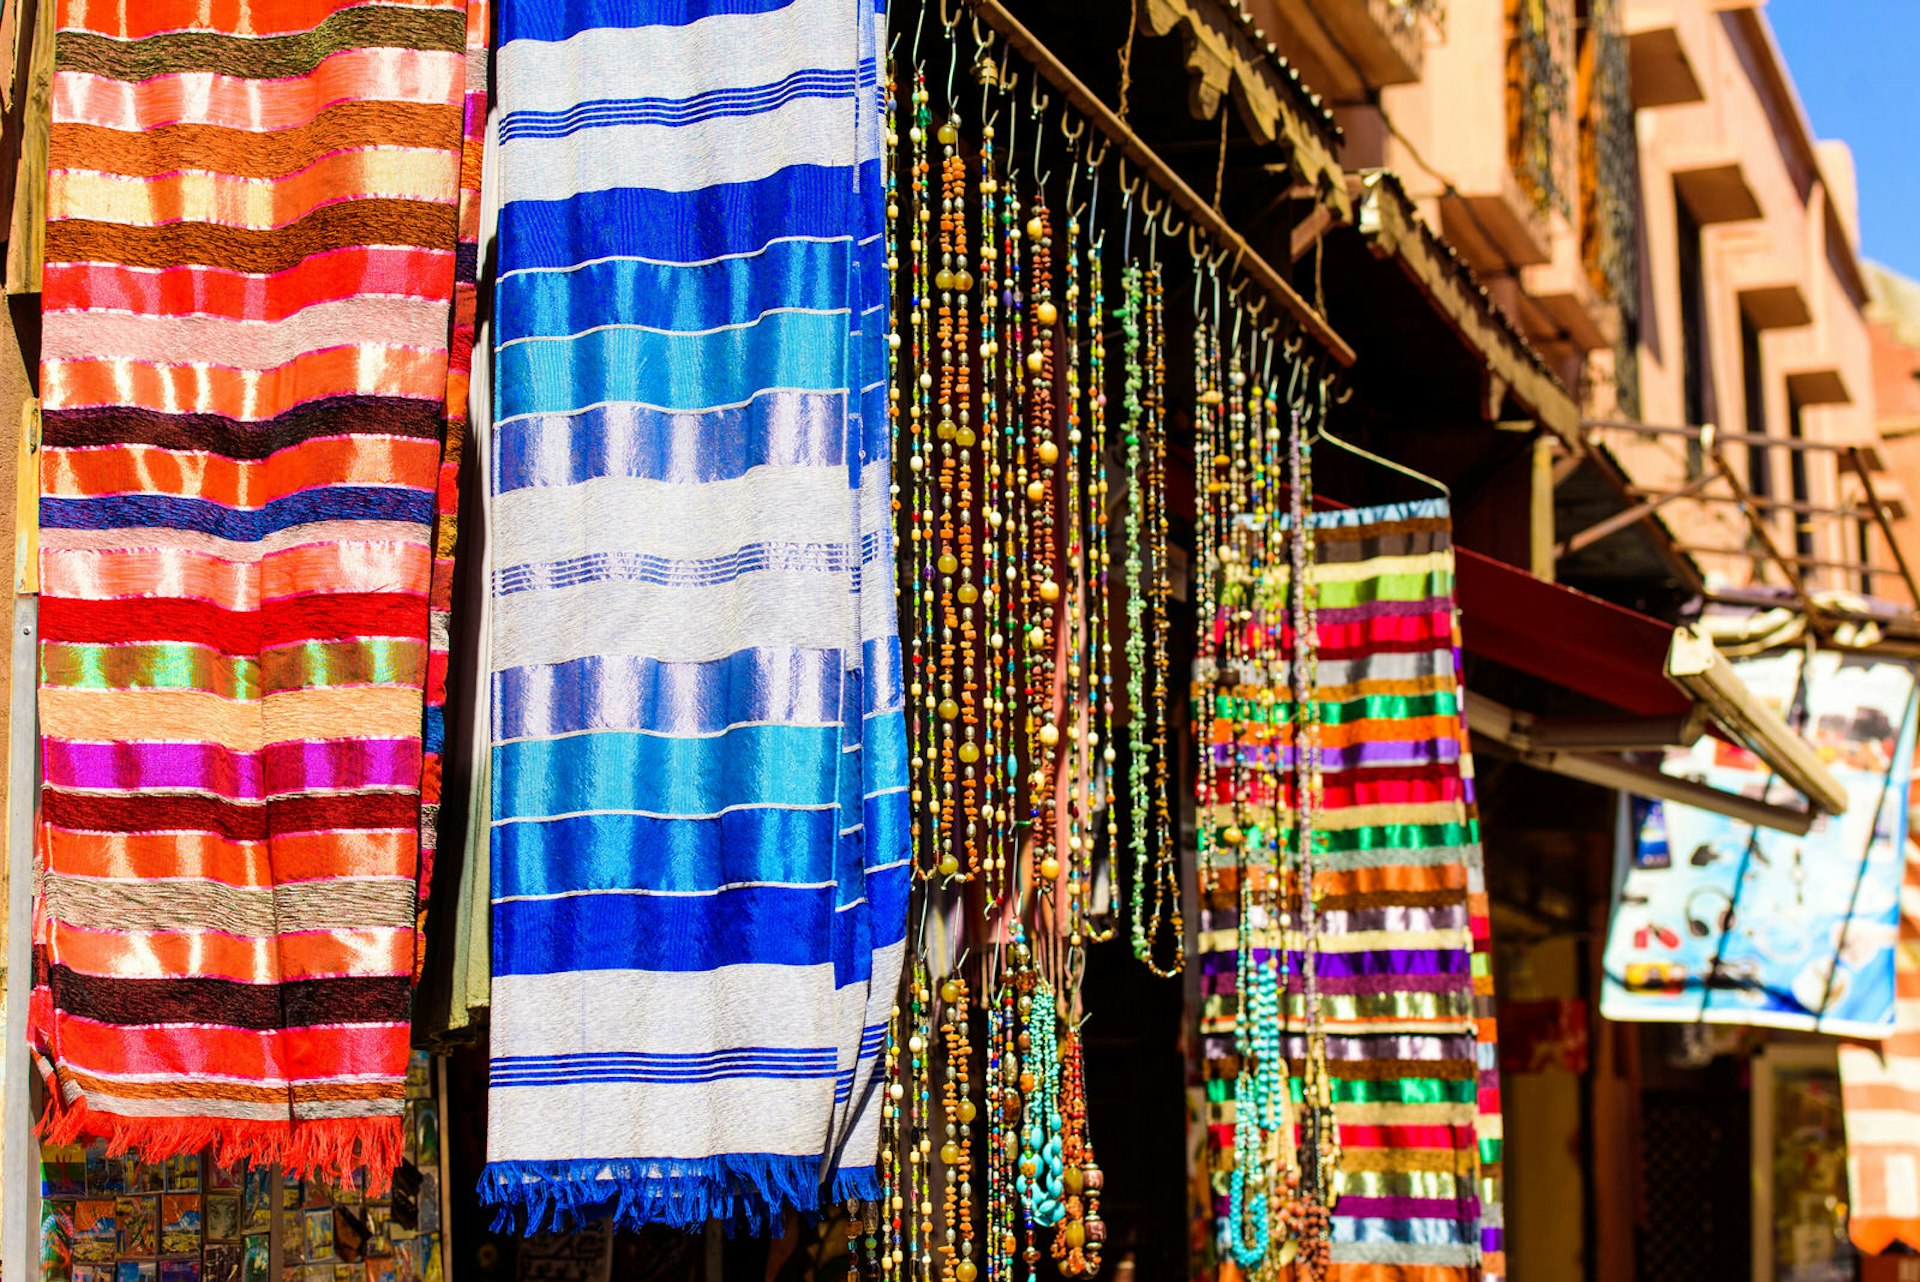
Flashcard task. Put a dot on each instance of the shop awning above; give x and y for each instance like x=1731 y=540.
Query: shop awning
x=1669 y=685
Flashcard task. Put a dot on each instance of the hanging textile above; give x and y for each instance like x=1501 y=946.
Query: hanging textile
x=1403 y=938
x=698 y=776
x=466 y=271
x=1880 y=1091
x=250 y=258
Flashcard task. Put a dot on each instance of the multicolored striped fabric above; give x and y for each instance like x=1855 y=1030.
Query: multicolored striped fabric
x=700 y=859
x=466 y=274
x=250 y=258
x=1406 y=1001
x=1880 y=1091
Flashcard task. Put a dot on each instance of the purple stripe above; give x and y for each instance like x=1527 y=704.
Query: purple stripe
x=1393 y=752
x=1377 y=961
x=1406 y=1208
x=1385 y=610
x=279 y=769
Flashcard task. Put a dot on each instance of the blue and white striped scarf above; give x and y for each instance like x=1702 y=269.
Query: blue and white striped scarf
x=700 y=842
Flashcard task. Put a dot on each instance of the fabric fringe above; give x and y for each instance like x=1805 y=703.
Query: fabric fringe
x=749 y=1193
x=332 y=1148
x=855 y=1184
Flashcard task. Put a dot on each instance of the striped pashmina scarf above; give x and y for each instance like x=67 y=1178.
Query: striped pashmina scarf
x=699 y=768
x=250 y=257
x=1405 y=998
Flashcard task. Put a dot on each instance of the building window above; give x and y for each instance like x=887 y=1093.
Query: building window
x=1695 y=373
x=1610 y=186
x=1539 y=101
x=1754 y=393
x=1797 y=464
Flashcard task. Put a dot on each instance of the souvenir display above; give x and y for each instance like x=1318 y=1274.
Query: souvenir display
x=777 y=862
x=195 y=1232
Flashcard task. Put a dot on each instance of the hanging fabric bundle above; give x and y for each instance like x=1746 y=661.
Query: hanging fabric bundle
x=250 y=257
x=699 y=769
x=1405 y=992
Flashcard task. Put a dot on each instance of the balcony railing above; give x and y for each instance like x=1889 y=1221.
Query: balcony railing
x=1610 y=185
x=1539 y=101
x=1411 y=13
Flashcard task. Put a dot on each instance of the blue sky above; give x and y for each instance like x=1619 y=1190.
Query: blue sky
x=1854 y=61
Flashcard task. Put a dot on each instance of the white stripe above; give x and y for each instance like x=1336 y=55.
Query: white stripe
x=677 y=333
x=808 y=131
x=772 y=608
x=667 y=894
x=671 y=409
x=726 y=51
x=657 y=814
x=674 y=262
x=678 y=520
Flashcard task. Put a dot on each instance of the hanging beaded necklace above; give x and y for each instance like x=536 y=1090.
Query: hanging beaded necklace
x=1043 y=603
x=1100 y=754
x=955 y=431
x=956 y=1151
x=1309 y=1212
x=925 y=792
x=994 y=800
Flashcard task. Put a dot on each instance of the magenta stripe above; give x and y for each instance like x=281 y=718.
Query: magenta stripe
x=279 y=769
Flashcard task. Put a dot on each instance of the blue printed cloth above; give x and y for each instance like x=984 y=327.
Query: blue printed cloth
x=699 y=763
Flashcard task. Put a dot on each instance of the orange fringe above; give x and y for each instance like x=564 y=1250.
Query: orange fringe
x=331 y=1148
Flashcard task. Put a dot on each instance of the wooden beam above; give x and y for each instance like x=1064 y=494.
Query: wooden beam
x=1240 y=255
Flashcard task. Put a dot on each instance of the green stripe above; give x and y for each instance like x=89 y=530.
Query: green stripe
x=1426 y=585
x=176 y=665
x=1397 y=837
x=1403 y=1090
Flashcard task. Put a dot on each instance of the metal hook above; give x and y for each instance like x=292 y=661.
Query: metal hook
x=1193 y=249
x=953 y=62
x=1072 y=135
x=1037 y=100
x=919 y=26
x=1106 y=145
x=1093 y=199
x=952 y=22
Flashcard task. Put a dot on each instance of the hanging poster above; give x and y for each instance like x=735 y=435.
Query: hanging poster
x=1718 y=921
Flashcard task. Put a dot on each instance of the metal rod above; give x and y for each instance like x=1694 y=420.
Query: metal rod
x=1886 y=526
x=1759 y=500
x=1240 y=254
x=1621 y=520
x=1610 y=471
x=1808 y=562
x=1730 y=438
x=1759 y=527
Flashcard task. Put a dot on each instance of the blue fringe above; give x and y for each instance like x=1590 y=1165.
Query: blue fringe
x=748 y=1192
x=855 y=1184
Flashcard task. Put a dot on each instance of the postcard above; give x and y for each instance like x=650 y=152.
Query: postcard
x=180 y=1270
x=222 y=1262
x=255 y=1258
x=136 y=1271
x=105 y=1175
x=138 y=1219
x=180 y=1224
x=183 y=1173
x=320 y=1234
x=96 y=1233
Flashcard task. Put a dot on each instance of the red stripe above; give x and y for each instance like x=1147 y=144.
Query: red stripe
x=308 y=1053
x=1445 y=1137
x=214 y=291
x=341 y=616
x=173 y=812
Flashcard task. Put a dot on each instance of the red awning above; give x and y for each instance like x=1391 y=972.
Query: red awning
x=1604 y=651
